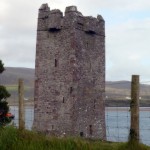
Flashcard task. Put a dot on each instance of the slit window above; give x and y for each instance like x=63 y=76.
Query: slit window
x=63 y=100
x=71 y=90
x=56 y=62
x=52 y=127
x=90 y=32
x=87 y=45
x=91 y=131
x=54 y=30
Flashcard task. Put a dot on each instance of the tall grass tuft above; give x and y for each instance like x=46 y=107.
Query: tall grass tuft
x=133 y=145
x=13 y=139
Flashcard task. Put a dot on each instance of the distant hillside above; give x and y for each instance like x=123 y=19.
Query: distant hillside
x=11 y=75
x=115 y=90
x=122 y=90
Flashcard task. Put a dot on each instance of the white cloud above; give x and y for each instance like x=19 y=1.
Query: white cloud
x=127 y=49
x=18 y=23
x=127 y=32
x=116 y=5
x=4 y=8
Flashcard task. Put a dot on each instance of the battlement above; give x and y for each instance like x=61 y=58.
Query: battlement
x=71 y=9
x=44 y=7
x=53 y=20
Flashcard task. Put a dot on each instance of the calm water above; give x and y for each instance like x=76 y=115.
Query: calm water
x=29 y=116
x=117 y=122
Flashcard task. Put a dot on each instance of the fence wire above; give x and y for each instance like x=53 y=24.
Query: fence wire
x=117 y=110
x=13 y=102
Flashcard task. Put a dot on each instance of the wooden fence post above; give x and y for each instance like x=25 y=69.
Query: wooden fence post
x=21 y=104
x=134 y=107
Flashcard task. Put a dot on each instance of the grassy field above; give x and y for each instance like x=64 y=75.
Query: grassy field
x=13 y=139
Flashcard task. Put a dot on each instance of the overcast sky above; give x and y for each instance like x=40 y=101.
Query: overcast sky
x=127 y=33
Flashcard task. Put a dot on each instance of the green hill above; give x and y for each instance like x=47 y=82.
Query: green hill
x=115 y=90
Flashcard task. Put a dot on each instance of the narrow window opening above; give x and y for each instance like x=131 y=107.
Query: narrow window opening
x=56 y=63
x=71 y=90
x=63 y=100
x=81 y=134
x=52 y=127
x=54 y=30
x=87 y=44
x=90 y=32
x=91 y=131
x=80 y=23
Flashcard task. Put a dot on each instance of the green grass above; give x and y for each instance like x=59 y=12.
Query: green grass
x=13 y=139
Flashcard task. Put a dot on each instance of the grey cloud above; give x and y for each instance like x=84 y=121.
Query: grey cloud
x=115 y=5
x=18 y=21
x=127 y=49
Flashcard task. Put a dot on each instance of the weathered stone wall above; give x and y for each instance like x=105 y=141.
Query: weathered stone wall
x=70 y=74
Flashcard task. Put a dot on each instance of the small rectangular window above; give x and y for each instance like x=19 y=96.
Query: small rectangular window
x=63 y=100
x=56 y=63
x=71 y=90
x=91 y=131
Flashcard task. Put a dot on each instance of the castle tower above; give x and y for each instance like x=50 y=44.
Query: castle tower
x=70 y=74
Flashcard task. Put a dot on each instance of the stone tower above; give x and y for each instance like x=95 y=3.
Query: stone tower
x=70 y=74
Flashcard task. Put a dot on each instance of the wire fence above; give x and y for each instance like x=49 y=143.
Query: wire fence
x=13 y=102
x=117 y=109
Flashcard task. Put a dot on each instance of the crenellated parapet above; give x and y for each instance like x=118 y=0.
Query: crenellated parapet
x=43 y=11
x=53 y=20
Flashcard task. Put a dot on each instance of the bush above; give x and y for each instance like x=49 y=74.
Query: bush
x=4 y=108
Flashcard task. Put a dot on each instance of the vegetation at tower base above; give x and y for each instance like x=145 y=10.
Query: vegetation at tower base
x=4 y=108
x=14 y=139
